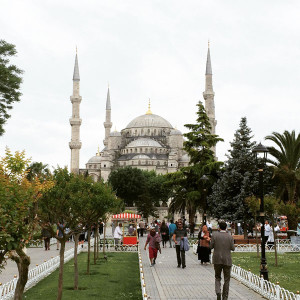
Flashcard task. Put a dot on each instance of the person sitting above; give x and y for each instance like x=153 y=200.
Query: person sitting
x=131 y=230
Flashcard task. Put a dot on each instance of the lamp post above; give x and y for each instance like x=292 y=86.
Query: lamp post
x=263 y=151
x=204 y=179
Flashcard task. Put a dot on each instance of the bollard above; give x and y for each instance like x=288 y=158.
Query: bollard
x=262 y=283
x=298 y=295
x=277 y=291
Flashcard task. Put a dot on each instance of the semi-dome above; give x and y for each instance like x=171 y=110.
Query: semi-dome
x=95 y=159
x=115 y=133
x=141 y=156
x=149 y=120
x=175 y=132
x=144 y=142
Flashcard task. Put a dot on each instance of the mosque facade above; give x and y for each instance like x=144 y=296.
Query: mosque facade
x=148 y=142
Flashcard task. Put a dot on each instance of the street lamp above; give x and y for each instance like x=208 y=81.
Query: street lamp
x=261 y=152
x=204 y=179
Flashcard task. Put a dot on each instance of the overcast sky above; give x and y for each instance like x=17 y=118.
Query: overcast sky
x=149 y=49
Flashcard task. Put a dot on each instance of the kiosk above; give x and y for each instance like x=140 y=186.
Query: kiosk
x=129 y=222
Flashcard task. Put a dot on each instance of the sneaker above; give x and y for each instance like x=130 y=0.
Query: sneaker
x=151 y=265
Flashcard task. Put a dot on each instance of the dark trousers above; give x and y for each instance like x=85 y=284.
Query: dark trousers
x=47 y=243
x=142 y=231
x=180 y=256
x=226 y=273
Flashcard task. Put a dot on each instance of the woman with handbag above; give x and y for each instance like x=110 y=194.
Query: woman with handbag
x=153 y=239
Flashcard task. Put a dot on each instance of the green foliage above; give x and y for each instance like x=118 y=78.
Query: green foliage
x=38 y=169
x=286 y=166
x=10 y=81
x=238 y=180
x=140 y=188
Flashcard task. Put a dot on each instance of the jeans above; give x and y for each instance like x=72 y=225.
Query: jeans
x=180 y=256
x=170 y=240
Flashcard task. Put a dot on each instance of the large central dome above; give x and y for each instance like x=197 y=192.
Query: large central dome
x=149 y=120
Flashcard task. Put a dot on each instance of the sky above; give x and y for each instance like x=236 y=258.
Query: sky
x=149 y=49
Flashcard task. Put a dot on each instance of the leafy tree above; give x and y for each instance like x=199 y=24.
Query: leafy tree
x=38 y=169
x=286 y=164
x=18 y=212
x=189 y=189
x=10 y=81
x=238 y=180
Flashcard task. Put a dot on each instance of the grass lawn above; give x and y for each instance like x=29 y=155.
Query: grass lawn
x=116 y=278
x=287 y=272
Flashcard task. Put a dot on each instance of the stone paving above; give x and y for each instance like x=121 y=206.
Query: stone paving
x=37 y=256
x=166 y=281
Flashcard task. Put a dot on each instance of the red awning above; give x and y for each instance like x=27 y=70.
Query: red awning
x=125 y=216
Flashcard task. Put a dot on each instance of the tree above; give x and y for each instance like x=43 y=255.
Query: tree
x=238 y=179
x=286 y=164
x=10 y=81
x=38 y=169
x=189 y=189
x=18 y=213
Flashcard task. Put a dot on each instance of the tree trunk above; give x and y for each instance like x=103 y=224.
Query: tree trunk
x=61 y=268
x=89 y=251
x=245 y=231
x=98 y=241
x=23 y=262
x=104 y=239
x=95 y=242
x=76 y=237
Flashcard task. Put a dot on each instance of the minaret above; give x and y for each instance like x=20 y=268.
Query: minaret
x=107 y=124
x=209 y=95
x=75 y=120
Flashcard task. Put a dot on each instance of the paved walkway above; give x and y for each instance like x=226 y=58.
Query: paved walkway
x=166 y=281
x=37 y=256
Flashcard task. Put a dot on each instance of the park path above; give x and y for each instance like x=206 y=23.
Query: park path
x=37 y=256
x=165 y=281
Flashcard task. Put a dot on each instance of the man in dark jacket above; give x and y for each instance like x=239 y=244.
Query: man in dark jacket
x=222 y=243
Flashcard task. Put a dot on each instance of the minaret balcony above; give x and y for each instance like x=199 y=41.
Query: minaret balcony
x=75 y=99
x=75 y=145
x=75 y=121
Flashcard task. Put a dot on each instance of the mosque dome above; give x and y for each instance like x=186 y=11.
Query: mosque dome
x=144 y=142
x=185 y=158
x=149 y=120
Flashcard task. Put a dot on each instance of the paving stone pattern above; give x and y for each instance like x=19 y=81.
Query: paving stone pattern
x=166 y=281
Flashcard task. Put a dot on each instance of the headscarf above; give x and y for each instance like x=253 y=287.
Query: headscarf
x=152 y=232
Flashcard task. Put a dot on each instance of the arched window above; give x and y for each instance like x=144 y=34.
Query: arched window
x=139 y=162
x=132 y=162
x=130 y=150
x=148 y=131
x=142 y=132
x=154 y=131
x=146 y=150
x=158 y=163
x=141 y=150
x=135 y=150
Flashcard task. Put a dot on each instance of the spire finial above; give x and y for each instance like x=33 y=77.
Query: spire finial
x=208 y=44
x=98 y=152
x=149 y=112
x=115 y=128
x=76 y=69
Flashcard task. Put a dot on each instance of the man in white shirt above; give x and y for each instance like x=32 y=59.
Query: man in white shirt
x=118 y=234
x=267 y=230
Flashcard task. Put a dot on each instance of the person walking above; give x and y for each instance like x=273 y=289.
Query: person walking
x=46 y=234
x=164 y=231
x=222 y=243
x=267 y=230
x=142 y=228
x=203 y=243
x=153 y=239
x=118 y=235
x=178 y=235
x=172 y=228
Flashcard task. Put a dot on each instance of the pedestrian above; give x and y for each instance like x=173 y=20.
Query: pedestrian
x=46 y=234
x=153 y=239
x=101 y=226
x=118 y=235
x=267 y=230
x=156 y=226
x=178 y=235
x=270 y=240
x=203 y=249
x=142 y=228
x=222 y=243
x=209 y=227
x=164 y=231
x=172 y=228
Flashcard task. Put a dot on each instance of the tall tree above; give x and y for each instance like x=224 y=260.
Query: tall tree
x=286 y=164
x=238 y=179
x=189 y=189
x=10 y=81
x=38 y=169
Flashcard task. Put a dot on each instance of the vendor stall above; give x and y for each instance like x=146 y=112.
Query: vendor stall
x=129 y=225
